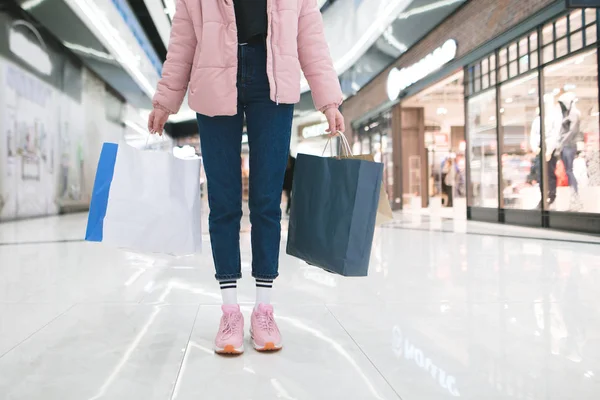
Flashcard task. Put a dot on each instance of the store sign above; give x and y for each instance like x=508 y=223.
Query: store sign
x=317 y=130
x=400 y=79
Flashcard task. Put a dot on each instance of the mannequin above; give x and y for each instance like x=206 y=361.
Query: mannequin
x=570 y=136
x=552 y=128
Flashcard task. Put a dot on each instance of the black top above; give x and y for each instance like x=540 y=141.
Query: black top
x=251 y=19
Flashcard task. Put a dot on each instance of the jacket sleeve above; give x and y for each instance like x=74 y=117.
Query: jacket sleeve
x=172 y=87
x=315 y=58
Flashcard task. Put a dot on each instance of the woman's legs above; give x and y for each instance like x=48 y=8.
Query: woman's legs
x=221 y=142
x=220 y=139
x=269 y=131
x=269 y=128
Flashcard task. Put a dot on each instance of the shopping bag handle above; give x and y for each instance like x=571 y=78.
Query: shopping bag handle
x=148 y=139
x=343 y=144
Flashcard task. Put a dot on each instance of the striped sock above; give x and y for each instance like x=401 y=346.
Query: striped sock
x=229 y=291
x=263 y=291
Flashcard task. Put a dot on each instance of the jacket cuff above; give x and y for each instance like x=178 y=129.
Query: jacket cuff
x=159 y=106
x=328 y=106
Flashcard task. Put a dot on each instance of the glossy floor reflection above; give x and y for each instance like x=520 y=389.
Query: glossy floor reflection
x=450 y=310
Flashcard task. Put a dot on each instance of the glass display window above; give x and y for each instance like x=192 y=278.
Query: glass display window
x=520 y=137
x=483 y=150
x=571 y=134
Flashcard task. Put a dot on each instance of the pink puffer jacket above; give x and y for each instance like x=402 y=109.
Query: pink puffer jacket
x=203 y=53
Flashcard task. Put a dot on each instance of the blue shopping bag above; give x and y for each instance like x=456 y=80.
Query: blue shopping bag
x=99 y=203
x=333 y=214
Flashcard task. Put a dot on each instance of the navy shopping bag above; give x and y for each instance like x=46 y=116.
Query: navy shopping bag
x=333 y=214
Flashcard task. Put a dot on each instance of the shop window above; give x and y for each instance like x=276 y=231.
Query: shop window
x=533 y=59
x=503 y=73
x=523 y=47
x=477 y=71
x=492 y=79
x=485 y=67
x=524 y=64
x=548 y=53
x=575 y=20
x=562 y=48
x=485 y=82
x=520 y=137
x=493 y=62
x=576 y=41
x=590 y=16
x=548 y=34
x=502 y=57
x=590 y=35
x=561 y=28
x=512 y=52
x=533 y=41
x=513 y=69
x=483 y=150
x=572 y=135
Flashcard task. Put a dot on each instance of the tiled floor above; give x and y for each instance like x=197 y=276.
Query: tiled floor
x=450 y=310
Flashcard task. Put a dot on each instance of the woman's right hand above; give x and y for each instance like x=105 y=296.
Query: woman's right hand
x=157 y=120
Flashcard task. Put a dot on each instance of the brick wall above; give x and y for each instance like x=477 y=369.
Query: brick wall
x=477 y=22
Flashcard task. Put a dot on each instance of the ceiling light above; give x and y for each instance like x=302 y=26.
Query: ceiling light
x=113 y=41
x=88 y=51
x=427 y=8
x=509 y=100
x=29 y=4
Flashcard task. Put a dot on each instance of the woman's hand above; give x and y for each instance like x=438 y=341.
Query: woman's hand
x=335 y=120
x=157 y=120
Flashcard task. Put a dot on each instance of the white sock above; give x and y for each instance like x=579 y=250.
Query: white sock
x=264 y=287
x=229 y=291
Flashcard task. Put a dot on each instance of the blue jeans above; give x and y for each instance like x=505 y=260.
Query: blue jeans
x=568 y=155
x=269 y=130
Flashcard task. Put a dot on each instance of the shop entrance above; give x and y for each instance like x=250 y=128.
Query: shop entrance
x=433 y=149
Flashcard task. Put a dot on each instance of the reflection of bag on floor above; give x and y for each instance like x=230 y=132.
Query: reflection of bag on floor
x=561 y=174
x=333 y=213
x=146 y=201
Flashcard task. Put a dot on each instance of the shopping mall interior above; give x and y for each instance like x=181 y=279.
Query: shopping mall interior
x=445 y=245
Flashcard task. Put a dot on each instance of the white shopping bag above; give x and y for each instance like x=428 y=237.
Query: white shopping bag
x=149 y=203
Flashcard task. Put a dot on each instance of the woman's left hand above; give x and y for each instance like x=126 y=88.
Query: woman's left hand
x=335 y=120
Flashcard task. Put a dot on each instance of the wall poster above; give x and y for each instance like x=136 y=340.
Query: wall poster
x=28 y=130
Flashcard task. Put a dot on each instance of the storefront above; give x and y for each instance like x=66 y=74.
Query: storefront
x=510 y=123
x=311 y=137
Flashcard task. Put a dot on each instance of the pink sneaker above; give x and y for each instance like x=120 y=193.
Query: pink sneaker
x=264 y=331
x=230 y=338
